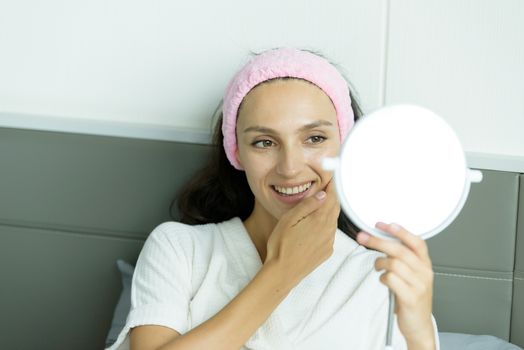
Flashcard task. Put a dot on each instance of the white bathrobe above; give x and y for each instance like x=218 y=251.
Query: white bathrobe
x=186 y=274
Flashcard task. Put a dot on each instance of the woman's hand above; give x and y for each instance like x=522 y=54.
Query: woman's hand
x=303 y=237
x=409 y=274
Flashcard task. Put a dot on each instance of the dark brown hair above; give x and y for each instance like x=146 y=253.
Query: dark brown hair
x=219 y=192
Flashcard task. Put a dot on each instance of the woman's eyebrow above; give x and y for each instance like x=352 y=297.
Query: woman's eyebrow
x=260 y=129
x=309 y=126
x=315 y=124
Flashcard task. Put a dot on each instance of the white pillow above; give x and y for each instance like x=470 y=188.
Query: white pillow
x=124 y=303
x=459 y=341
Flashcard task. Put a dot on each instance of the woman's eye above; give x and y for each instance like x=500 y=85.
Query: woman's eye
x=316 y=139
x=263 y=143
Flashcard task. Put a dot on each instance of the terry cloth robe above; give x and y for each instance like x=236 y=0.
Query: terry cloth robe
x=186 y=274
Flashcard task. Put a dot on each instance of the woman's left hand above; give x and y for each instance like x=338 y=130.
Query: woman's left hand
x=409 y=274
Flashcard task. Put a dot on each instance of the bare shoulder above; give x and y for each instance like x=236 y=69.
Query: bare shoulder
x=150 y=337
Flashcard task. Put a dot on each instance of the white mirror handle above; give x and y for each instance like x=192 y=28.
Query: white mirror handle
x=330 y=164
x=474 y=175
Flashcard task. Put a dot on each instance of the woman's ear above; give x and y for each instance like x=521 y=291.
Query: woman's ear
x=237 y=156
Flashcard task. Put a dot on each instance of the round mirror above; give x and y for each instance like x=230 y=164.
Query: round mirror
x=402 y=164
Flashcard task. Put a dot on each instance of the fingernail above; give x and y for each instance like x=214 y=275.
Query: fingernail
x=380 y=224
x=394 y=227
x=320 y=195
x=362 y=237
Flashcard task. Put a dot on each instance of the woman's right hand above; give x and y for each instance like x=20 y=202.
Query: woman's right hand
x=303 y=237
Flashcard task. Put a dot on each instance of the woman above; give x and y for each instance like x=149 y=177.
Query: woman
x=266 y=266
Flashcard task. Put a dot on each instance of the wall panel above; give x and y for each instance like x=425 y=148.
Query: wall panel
x=462 y=59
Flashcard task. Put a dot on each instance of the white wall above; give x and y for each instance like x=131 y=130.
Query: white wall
x=165 y=63
x=465 y=60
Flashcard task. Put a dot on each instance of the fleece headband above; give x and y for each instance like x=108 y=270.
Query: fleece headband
x=279 y=63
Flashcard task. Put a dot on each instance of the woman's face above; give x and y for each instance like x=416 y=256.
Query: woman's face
x=284 y=129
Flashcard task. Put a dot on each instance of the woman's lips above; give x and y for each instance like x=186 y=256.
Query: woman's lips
x=291 y=198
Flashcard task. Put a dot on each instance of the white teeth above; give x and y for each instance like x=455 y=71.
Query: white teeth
x=293 y=190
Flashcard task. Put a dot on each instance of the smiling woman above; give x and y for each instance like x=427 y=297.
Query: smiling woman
x=264 y=258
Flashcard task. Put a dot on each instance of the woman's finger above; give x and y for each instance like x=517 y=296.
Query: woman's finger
x=331 y=208
x=393 y=249
x=414 y=242
x=413 y=278
x=305 y=209
x=398 y=286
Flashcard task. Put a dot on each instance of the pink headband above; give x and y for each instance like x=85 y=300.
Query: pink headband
x=279 y=63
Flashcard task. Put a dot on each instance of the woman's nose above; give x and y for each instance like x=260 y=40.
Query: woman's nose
x=290 y=162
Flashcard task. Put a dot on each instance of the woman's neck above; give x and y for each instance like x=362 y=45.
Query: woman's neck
x=260 y=225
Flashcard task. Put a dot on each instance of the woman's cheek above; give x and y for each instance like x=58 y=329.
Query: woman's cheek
x=315 y=156
x=250 y=157
x=259 y=165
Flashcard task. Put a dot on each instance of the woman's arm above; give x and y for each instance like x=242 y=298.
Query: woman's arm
x=302 y=239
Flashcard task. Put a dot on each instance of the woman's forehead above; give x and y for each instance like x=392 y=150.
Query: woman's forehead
x=286 y=102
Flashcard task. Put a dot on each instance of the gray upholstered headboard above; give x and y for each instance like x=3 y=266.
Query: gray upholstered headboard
x=71 y=205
